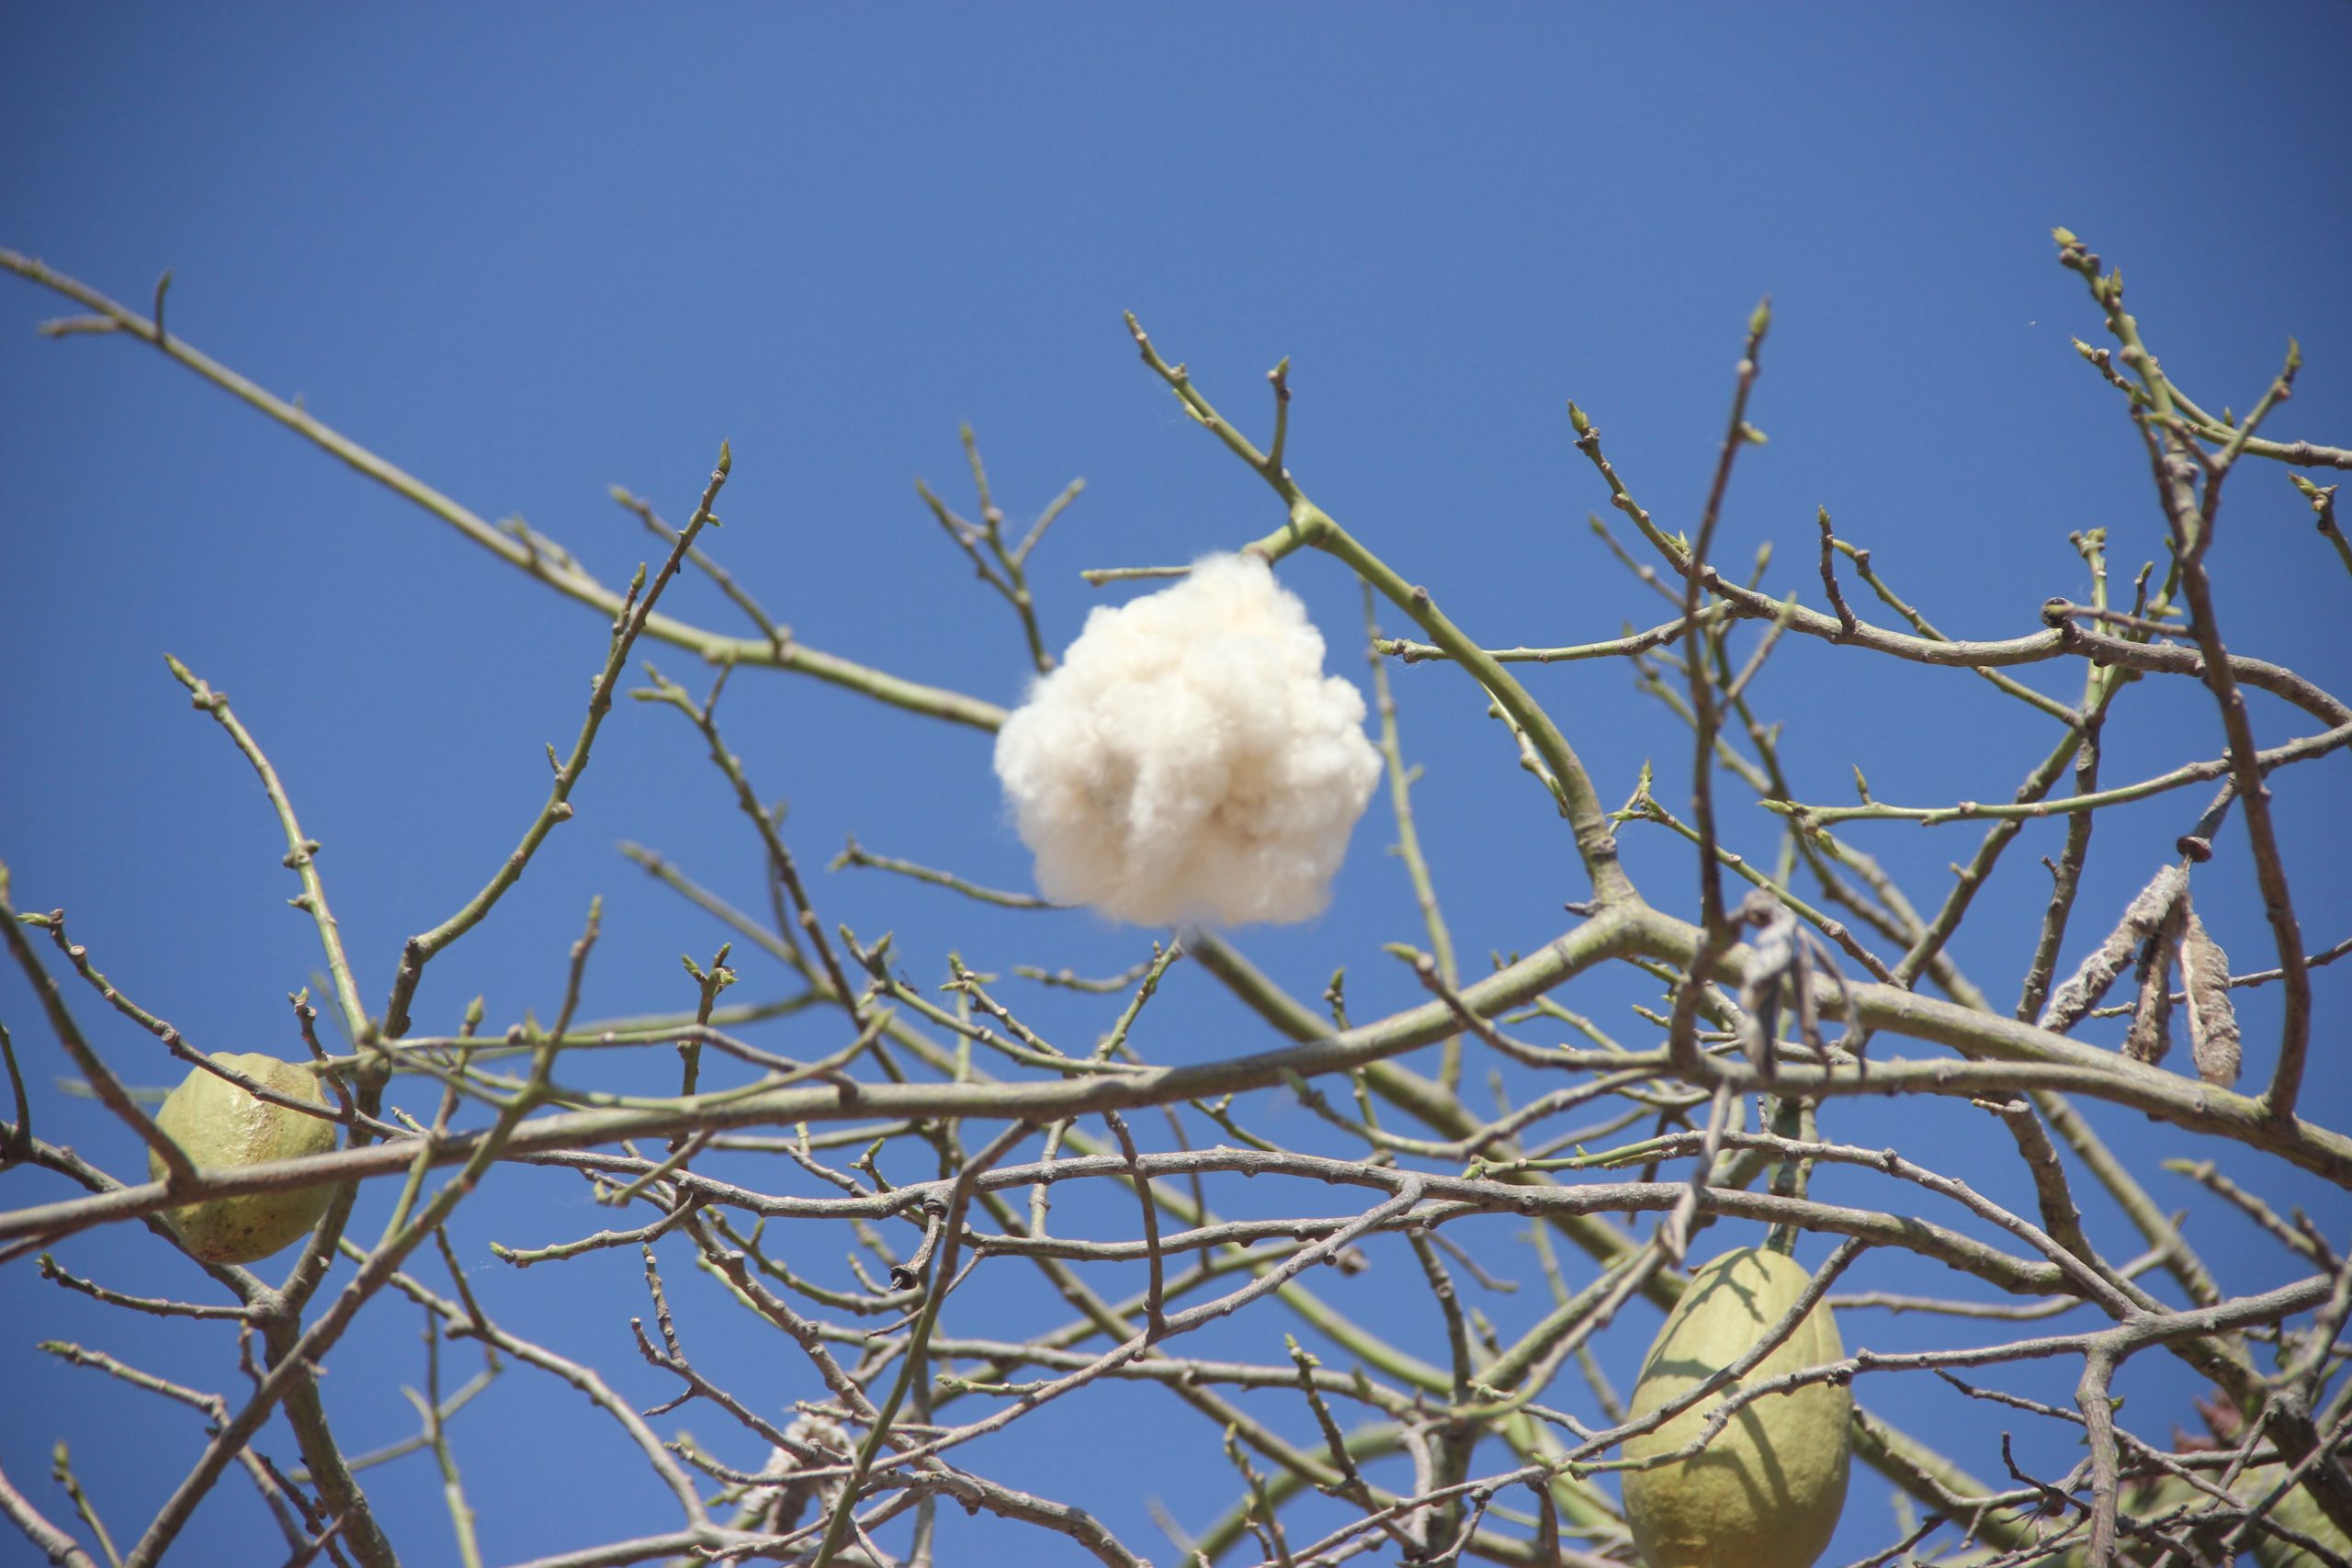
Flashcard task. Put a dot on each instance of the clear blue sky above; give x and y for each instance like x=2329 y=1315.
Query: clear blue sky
x=531 y=252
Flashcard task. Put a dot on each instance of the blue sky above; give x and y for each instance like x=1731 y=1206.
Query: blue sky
x=533 y=251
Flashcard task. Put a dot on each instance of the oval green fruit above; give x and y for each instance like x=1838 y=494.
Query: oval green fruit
x=2298 y=1510
x=1766 y=1492
x=2168 y=1495
x=220 y=1125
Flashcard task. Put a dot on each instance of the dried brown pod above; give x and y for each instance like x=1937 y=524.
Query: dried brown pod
x=2146 y=913
x=2150 y=1038
x=2212 y=1019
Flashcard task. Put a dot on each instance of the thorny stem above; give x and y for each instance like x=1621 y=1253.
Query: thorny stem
x=782 y=867
x=1309 y=525
x=301 y=851
x=519 y=548
x=636 y=610
x=1703 y=687
x=1408 y=838
x=178 y=1171
x=942 y=1274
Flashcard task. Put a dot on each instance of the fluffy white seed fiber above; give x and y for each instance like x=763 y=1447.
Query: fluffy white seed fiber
x=1190 y=760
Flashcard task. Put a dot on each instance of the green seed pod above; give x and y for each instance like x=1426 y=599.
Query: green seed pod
x=220 y=1125
x=2154 y=1500
x=2298 y=1510
x=1766 y=1492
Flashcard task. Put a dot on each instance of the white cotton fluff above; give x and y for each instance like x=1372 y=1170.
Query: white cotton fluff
x=1190 y=762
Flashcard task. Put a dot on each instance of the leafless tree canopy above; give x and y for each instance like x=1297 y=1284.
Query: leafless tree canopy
x=1800 y=996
